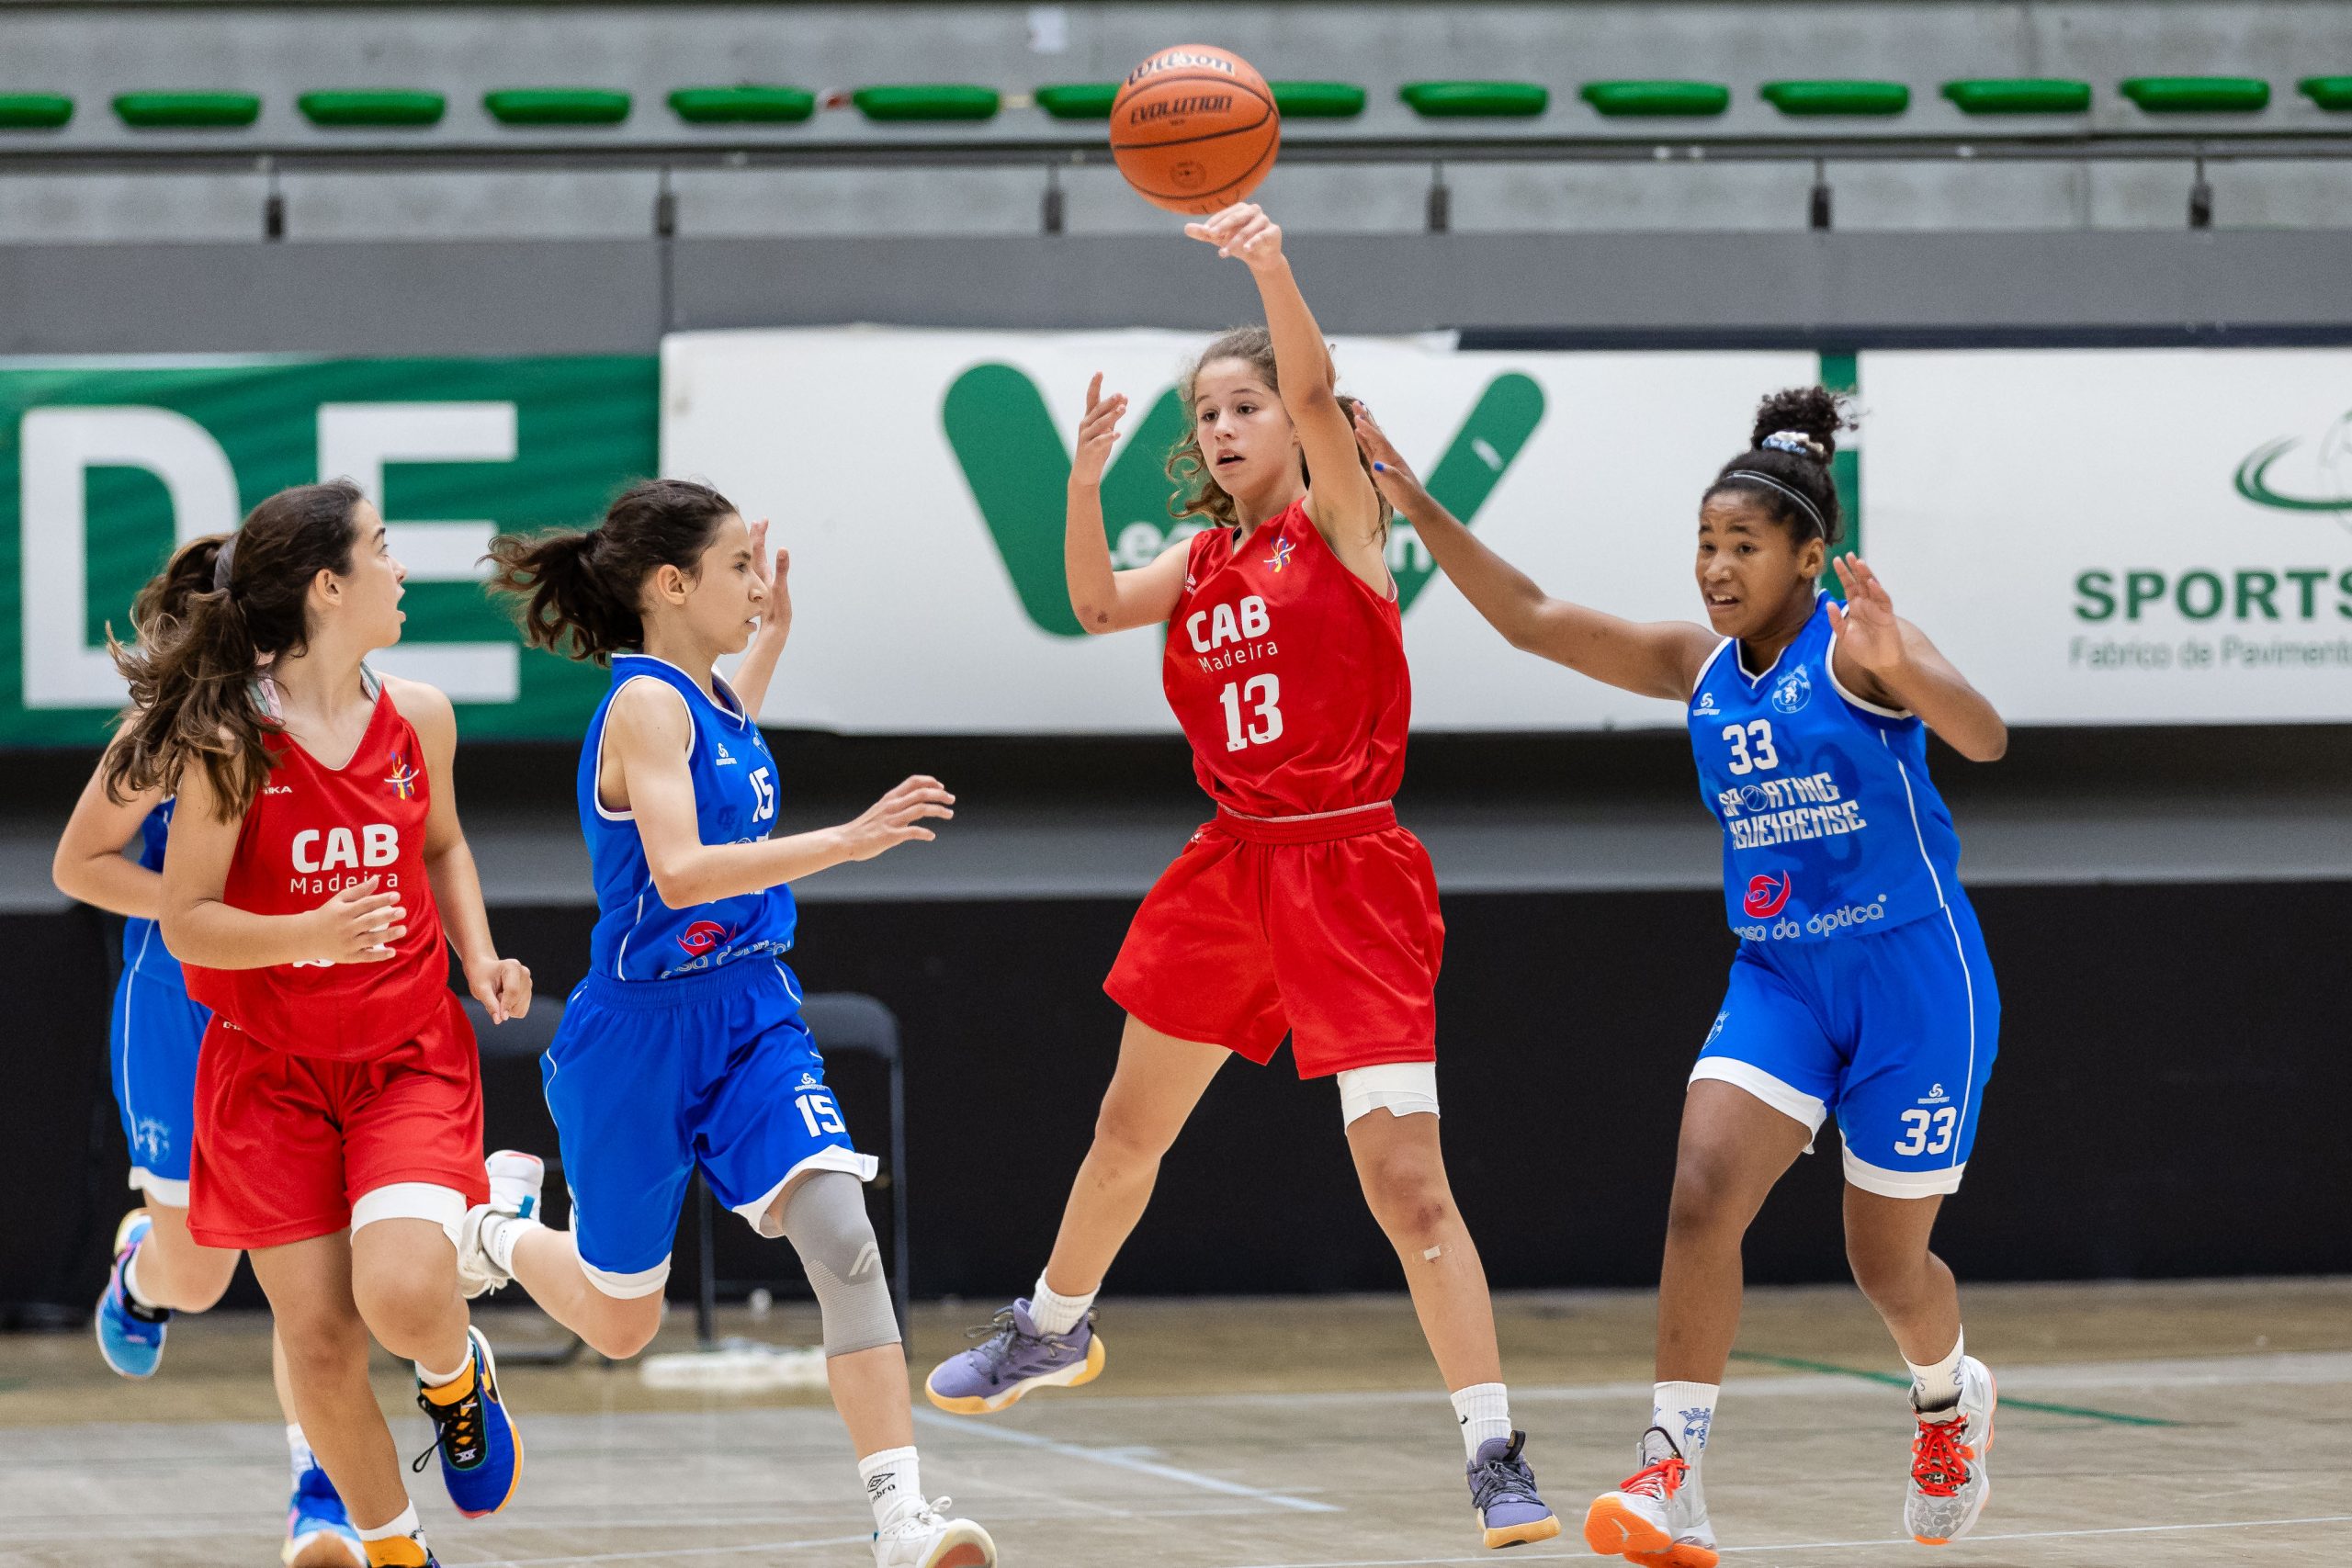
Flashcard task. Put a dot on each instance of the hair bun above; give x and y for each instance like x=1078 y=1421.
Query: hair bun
x=1804 y=421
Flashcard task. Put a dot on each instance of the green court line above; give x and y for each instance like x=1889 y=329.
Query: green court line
x=1799 y=1364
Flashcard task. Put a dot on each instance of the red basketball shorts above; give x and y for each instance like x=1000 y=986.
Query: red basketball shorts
x=1325 y=929
x=287 y=1144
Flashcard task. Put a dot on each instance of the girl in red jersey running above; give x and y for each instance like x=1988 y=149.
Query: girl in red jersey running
x=1301 y=908
x=314 y=847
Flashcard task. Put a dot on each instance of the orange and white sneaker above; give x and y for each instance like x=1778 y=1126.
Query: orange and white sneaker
x=1657 y=1517
x=1949 y=1479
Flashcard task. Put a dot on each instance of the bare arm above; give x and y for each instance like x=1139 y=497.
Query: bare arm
x=1655 y=658
x=502 y=985
x=1340 y=499
x=358 y=925
x=757 y=668
x=1104 y=600
x=1882 y=659
x=646 y=735
x=89 y=863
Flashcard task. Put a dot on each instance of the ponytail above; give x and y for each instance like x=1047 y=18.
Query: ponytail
x=576 y=593
x=204 y=625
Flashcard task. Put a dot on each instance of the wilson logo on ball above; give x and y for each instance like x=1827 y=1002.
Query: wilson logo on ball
x=1193 y=128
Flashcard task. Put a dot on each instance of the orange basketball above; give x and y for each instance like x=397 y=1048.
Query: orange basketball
x=1193 y=128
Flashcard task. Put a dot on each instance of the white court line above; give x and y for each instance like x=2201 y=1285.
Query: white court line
x=1125 y=1462
x=865 y=1540
x=1817 y=1545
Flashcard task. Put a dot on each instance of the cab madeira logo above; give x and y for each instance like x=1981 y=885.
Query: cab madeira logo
x=1015 y=459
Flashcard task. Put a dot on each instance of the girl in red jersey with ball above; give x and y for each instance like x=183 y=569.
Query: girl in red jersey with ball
x=1301 y=908
x=310 y=861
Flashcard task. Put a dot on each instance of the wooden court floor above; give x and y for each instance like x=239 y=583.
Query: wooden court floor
x=2139 y=1425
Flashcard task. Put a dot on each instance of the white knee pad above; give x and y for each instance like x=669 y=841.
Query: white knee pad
x=1401 y=1089
x=444 y=1206
x=825 y=1221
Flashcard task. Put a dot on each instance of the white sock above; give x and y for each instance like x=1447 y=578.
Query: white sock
x=1056 y=1314
x=1686 y=1410
x=405 y=1525
x=298 y=1447
x=1485 y=1412
x=130 y=1282
x=893 y=1483
x=1937 y=1387
x=499 y=1235
x=432 y=1379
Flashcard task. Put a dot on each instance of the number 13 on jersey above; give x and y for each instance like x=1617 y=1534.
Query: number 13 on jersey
x=1261 y=696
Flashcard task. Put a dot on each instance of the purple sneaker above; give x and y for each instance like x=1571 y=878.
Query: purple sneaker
x=1503 y=1491
x=1012 y=1359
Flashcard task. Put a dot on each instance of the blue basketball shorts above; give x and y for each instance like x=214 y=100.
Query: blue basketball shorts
x=1895 y=1031
x=152 y=1040
x=647 y=1080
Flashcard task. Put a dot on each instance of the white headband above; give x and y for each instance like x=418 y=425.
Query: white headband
x=1809 y=509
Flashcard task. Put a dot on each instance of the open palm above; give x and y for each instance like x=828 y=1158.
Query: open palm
x=1865 y=625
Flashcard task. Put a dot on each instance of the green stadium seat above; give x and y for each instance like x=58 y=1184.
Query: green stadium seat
x=747 y=103
x=1448 y=100
x=1317 y=100
x=1629 y=99
x=1837 y=97
x=928 y=101
x=2019 y=95
x=34 y=111
x=557 y=105
x=187 y=111
x=2332 y=93
x=372 y=107
x=2198 y=94
x=1078 y=100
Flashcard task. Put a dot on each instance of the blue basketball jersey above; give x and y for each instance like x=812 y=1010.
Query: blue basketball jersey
x=142 y=940
x=638 y=937
x=1830 y=826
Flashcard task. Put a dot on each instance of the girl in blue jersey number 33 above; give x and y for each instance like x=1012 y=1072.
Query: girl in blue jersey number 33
x=684 y=1044
x=1860 y=984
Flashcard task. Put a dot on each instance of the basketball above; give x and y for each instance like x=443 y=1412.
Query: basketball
x=1193 y=128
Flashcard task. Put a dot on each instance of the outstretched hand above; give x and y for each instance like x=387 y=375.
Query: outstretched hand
x=1865 y=625
x=1396 y=483
x=898 y=818
x=1242 y=229
x=1097 y=432
x=774 y=573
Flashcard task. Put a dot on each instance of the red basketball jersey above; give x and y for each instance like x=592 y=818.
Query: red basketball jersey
x=312 y=831
x=1288 y=673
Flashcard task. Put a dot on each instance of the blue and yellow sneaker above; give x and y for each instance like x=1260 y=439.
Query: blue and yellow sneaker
x=318 y=1532
x=130 y=1336
x=482 y=1454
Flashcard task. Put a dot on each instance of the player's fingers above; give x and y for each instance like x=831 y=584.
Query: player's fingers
x=359 y=890
x=1093 y=391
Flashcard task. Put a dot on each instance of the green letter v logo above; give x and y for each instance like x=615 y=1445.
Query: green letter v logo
x=1013 y=458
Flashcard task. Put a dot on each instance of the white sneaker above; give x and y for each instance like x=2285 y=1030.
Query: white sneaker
x=514 y=1182
x=1658 y=1517
x=925 y=1537
x=1948 y=1480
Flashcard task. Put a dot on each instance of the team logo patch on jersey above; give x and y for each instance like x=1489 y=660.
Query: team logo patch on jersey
x=1706 y=708
x=403 y=778
x=1281 y=557
x=702 y=936
x=1792 y=691
x=1767 y=896
x=725 y=761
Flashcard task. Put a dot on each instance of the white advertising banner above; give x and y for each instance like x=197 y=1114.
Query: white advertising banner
x=917 y=477
x=2121 y=537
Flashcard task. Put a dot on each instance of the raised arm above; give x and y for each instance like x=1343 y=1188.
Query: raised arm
x=89 y=863
x=1104 y=600
x=1882 y=659
x=502 y=986
x=757 y=667
x=648 y=733
x=358 y=925
x=1340 y=499
x=1655 y=658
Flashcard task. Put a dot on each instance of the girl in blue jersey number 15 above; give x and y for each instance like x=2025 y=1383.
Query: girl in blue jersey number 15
x=684 y=1045
x=1860 y=984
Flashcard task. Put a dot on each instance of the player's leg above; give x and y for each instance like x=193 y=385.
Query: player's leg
x=172 y=1270
x=318 y=1532
x=1048 y=1340
x=154 y=1038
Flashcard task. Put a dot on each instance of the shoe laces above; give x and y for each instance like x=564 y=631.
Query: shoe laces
x=922 y=1519
x=1661 y=1480
x=1504 y=1475
x=457 y=1428
x=1939 y=1460
x=1000 y=1335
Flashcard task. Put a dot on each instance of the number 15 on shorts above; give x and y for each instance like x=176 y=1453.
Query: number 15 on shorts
x=817 y=1108
x=1926 y=1132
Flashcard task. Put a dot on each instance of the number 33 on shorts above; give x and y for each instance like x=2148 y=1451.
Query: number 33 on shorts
x=1928 y=1132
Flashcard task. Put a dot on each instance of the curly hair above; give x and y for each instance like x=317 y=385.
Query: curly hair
x=1198 y=496
x=1789 y=447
